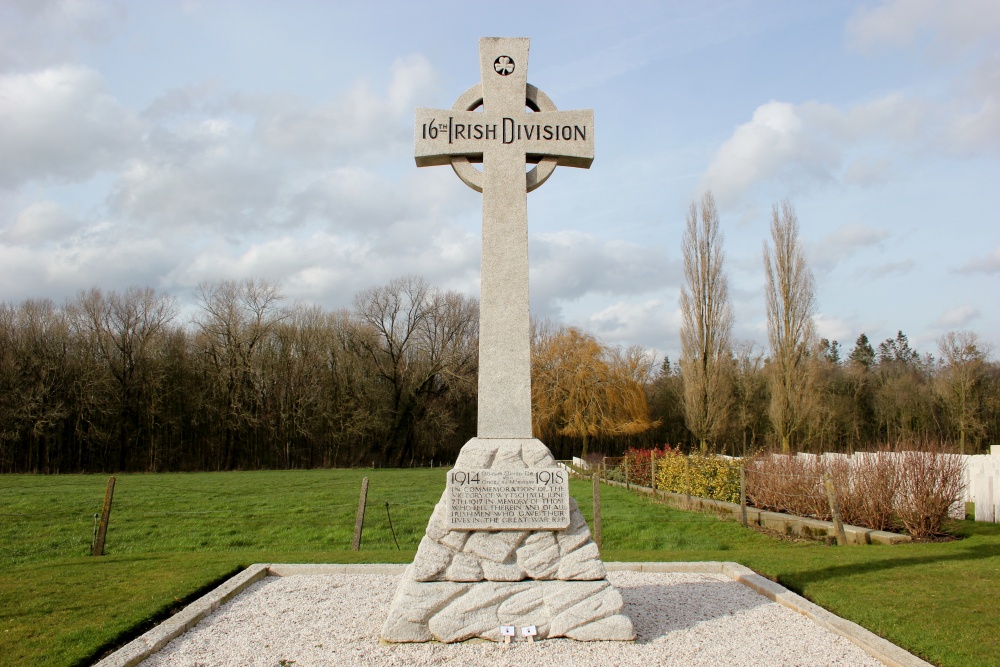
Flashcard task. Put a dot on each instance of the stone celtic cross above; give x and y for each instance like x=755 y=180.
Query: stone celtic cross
x=505 y=545
x=504 y=123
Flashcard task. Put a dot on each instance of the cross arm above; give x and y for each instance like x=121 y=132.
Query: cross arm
x=441 y=134
x=567 y=136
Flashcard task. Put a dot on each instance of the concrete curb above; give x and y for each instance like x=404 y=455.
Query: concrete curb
x=875 y=646
x=146 y=645
x=149 y=643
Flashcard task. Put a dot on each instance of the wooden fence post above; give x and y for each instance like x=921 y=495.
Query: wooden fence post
x=102 y=529
x=687 y=481
x=652 y=471
x=627 y=465
x=597 y=509
x=743 y=496
x=359 y=522
x=831 y=495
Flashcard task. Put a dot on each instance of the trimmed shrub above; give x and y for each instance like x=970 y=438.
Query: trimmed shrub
x=931 y=482
x=636 y=465
x=787 y=483
x=880 y=490
x=875 y=480
x=709 y=476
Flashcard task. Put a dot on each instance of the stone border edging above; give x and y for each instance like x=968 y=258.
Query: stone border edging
x=877 y=647
x=152 y=641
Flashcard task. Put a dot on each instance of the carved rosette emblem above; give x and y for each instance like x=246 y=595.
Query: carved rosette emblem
x=504 y=65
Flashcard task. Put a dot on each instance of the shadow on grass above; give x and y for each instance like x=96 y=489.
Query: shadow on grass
x=798 y=579
x=112 y=645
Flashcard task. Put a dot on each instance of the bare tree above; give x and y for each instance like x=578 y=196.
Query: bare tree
x=422 y=345
x=706 y=355
x=750 y=391
x=236 y=317
x=790 y=333
x=964 y=357
x=125 y=329
x=35 y=393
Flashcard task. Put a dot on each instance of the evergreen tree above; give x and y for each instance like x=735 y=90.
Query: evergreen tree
x=830 y=350
x=897 y=349
x=863 y=353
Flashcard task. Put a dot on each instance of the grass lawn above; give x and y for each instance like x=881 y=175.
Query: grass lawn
x=172 y=536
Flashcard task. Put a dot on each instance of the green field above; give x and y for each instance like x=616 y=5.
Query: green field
x=172 y=536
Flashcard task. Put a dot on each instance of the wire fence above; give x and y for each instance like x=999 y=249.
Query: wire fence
x=160 y=517
x=43 y=518
x=157 y=518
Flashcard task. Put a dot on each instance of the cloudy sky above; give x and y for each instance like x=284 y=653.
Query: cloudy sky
x=169 y=143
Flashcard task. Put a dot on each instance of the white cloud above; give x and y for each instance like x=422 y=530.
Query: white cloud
x=414 y=82
x=946 y=31
x=359 y=124
x=39 y=33
x=214 y=185
x=832 y=328
x=949 y=26
x=789 y=147
x=958 y=317
x=61 y=124
x=844 y=242
x=568 y=265
x=351 y=197
x=328 y=268
x=40 y=222
x=986 y=264
x=868 y=171
x=901 y=267
x=801 y=145
x=242 y=163
x=100 y=254
x=224 y=185
x=770 y=143
x=648 y=323
x=975 y=127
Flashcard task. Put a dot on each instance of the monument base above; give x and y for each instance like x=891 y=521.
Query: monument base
x=465 y=584
x=447 y=611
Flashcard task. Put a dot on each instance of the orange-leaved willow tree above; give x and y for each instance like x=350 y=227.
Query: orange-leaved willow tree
x=583 y=389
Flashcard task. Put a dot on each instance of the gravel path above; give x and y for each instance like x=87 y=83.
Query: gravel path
x=680 y=619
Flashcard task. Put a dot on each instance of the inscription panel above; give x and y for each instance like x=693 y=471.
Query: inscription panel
x=502 y=499
x=566 y=135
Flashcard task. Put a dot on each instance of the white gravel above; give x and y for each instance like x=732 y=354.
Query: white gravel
x=680 y=619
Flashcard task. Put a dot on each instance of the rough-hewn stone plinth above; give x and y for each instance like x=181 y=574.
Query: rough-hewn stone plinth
x=451 y=611
x=465 y=584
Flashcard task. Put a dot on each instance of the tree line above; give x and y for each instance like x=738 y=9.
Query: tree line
x=116 y=381
x=804 y=392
